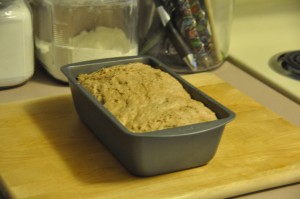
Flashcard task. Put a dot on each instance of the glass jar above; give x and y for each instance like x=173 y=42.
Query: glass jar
x=204 y=25
x=68 y=31
x=16 y=43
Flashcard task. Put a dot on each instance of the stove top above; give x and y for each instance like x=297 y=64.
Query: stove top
x=287 y=64
x=266 y=43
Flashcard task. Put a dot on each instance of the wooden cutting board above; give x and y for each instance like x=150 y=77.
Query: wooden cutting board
x=46 y=152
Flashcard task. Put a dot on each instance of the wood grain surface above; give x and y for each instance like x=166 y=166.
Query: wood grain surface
x=46 y=152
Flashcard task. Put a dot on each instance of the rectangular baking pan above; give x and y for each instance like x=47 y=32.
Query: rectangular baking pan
x=150 y=153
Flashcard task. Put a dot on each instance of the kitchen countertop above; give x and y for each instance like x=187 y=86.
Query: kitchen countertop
x=42 y=85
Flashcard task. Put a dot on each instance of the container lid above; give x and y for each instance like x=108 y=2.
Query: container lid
x=87 y=2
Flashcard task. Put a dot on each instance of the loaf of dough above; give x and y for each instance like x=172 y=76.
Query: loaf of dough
x=144 y=99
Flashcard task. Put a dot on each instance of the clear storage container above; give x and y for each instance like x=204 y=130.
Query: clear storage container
x=16 y=43
x=68 y=31
x=204 y=25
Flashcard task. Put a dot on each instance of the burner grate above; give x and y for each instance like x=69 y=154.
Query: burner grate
x=287 y=64
x=291 y=61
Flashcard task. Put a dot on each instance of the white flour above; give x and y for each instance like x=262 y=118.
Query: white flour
x=102 y=42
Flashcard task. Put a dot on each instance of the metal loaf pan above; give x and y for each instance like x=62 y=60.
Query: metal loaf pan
x=151 y=153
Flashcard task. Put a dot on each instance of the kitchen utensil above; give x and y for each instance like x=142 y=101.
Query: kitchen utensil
x=151 y=153
x=205 y=27
x=180 y=45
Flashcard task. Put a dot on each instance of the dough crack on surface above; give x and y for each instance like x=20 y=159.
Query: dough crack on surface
x=144 y=99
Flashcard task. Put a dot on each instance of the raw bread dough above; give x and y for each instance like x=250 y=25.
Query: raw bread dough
x=143 y=98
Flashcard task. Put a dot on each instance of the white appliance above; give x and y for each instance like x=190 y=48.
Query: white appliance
x=264 y=30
